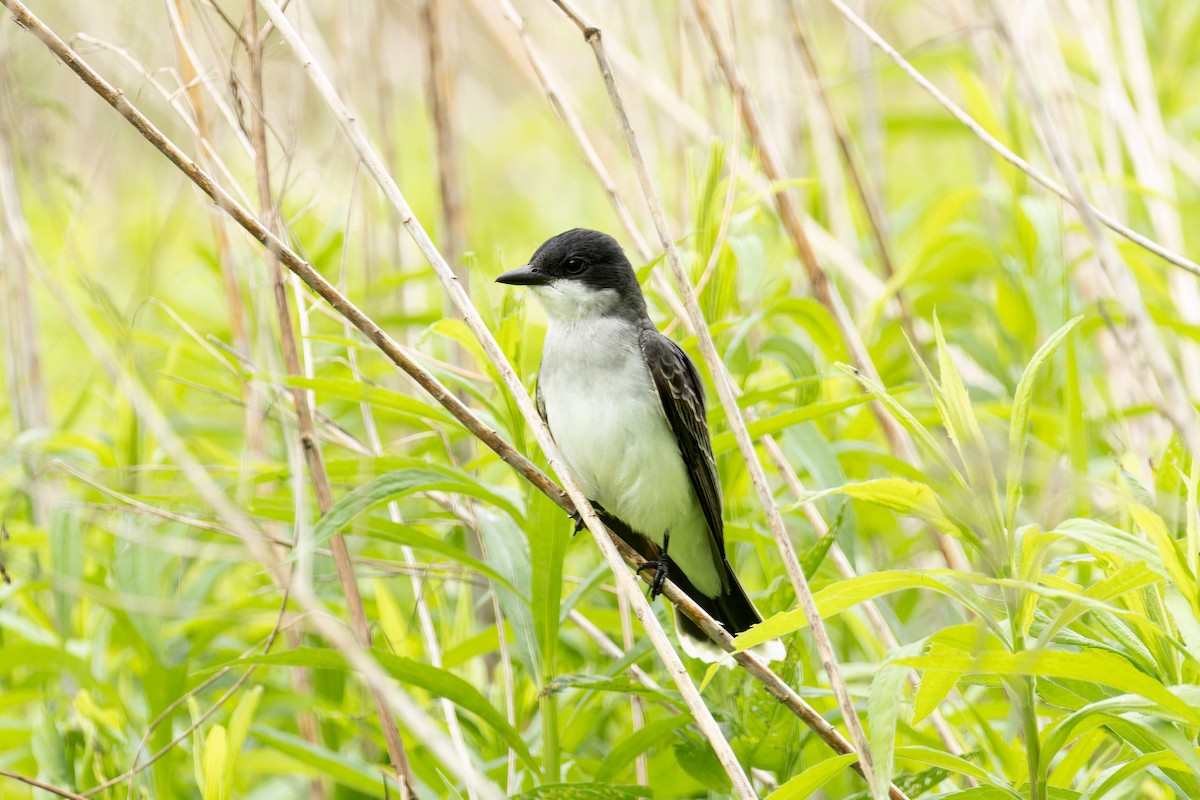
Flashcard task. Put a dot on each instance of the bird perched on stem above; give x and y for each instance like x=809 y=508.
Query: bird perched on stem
x=626 y=408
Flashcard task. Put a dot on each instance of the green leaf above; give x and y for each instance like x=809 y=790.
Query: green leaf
x=769 y=426
x=901 y=496
x=1018 y=426
x=884 y=701
x=239 y=726
x=932 y=690
x=507 y=550
x=392 y=486
x=919 y=432
x=943 y=760
x=954 y=403
x=410 y=672
x=1106 y=539
x=370 y=779
x=376 y=396
x=1091 y=666
x=548 y=540
x=813 y=778
x=834 y=599
x=634 y=744
x=397 y=533
x=215 y=754
x=696 y=756
x=66 y=554
x=1169 y=552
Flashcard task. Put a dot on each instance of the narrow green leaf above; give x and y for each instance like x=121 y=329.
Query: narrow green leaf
x=387 y=487
x=931 y=691
x=411 y=672
x=215 y=753
x=769 y=426
x=1018 y=425
x=1169 y=551
x=884 y=701
x=507 y=549
x=1090 y=666
x=239 y=726
x=66 y=554
x=370 y=779
x=388 y=531
x=834 y=599
x=376 y=396
x=634 y=744
x=904 y=497
x=939 y=758
x=813 y=778
x=963 y=426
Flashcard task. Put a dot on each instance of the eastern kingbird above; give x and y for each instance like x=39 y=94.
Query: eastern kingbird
x=626 y=408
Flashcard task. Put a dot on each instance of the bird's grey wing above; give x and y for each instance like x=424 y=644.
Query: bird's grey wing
x=682 y=396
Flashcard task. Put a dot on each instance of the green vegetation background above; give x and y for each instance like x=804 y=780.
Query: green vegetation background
x=1071 y=645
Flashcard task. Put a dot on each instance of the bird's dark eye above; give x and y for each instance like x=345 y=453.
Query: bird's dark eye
x=575 y=266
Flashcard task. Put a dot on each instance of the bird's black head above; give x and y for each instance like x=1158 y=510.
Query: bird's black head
x=581 y=273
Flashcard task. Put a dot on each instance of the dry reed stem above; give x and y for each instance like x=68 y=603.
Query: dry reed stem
x=628 y=583
x=440 y=90
x=306 y=427
x=1008 y=155
x=728 y=397
x=253 y=412
x=1152 y=361
x=242 y=526
x=825 y=289
x=789 y=214
x=189 y=73
x=868 y=195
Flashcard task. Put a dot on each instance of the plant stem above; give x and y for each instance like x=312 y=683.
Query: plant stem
x=551 y=753
x=1033 y=745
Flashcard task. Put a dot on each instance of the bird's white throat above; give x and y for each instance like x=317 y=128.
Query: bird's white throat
x=575 y=300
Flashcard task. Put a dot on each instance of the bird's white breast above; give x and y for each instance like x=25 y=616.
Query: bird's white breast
x=608 y=422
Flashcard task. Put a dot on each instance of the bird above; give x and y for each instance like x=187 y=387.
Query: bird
x=626 y=408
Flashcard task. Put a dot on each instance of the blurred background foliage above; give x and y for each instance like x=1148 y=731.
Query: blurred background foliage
x=1067 y=653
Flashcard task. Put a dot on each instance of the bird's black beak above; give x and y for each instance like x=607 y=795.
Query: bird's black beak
x=527 y=275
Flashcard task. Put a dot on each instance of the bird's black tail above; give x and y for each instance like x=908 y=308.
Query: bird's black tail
x=732 y=608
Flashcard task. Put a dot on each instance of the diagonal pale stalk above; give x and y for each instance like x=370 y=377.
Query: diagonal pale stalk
x=241 y=525
x=627 y=582
x=306 y=427
x=1080 y=203
x=728 y=397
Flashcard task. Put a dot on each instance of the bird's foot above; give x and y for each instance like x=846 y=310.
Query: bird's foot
x=660 y=568
x=578 y=519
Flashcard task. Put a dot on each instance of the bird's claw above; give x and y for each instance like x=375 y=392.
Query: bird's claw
x=660 y=575
x=579 y=523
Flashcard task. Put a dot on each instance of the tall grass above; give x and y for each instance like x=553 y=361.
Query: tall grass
x=147 y=652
